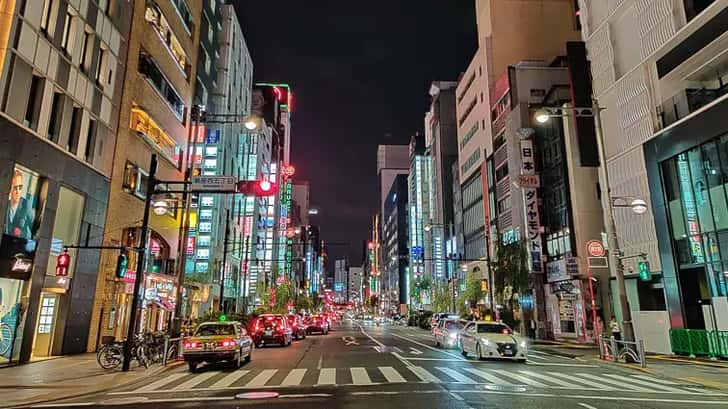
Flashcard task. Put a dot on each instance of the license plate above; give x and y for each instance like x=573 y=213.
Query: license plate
x=268 y=332
x=508 y=352
x=208 y=347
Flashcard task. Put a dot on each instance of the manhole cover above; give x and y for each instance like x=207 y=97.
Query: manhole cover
x=505 y=388
x=125 y=401
x=257 y=395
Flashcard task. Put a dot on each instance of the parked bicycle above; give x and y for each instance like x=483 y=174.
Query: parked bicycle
x=149 y=348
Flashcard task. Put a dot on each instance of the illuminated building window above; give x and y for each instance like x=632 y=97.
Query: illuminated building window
x=211 y=151
x=153 y=134
x=203 y=241
x=210 y=164
x=207 y=201
x=206 y=214
x=203 y=254
x=205 y=227
x=155 y=17
x=201 y=267
x=209 y=173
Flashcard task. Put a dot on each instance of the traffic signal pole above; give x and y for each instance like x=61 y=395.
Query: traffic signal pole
x=142 y=249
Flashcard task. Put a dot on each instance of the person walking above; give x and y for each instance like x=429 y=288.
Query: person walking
x=615 y=329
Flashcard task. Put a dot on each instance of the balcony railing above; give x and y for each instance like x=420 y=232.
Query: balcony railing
x=688 y=101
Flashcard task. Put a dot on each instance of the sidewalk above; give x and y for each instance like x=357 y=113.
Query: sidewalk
x=64 y=377
x=693 y=372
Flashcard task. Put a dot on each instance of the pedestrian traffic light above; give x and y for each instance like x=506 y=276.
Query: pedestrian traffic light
x=644 y=270
x=256 y=187
x=62 y=263
x=122 y=262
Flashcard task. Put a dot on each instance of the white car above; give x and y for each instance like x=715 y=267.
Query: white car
x=487 y=339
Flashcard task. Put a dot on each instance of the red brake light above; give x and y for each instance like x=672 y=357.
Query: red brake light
x=269 y=318
x=191 y=345
x=506 y=332
x=227 y=343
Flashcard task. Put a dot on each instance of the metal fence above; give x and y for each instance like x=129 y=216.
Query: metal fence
x=699 y=342
x=611 y=349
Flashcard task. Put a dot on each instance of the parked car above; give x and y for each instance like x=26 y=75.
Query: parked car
x=488 y=339
x=316 y=323
x=298 y=328
x=446 y=332
x=215 y=342
x=436 y=318
x=271 y=329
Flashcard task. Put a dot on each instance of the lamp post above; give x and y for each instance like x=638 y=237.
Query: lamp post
x=639 y=206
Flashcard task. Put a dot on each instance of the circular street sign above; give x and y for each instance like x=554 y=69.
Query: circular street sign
x=595 y=248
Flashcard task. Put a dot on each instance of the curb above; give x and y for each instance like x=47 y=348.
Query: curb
x=100 y=390
x=710 y=364
x=689 y=381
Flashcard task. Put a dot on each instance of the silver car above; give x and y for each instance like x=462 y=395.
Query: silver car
x=446 y=332
x=487 y=339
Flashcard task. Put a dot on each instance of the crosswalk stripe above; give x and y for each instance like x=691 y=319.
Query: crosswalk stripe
x=195 y=380
x=423 y=374
x=655 y=386
x=261 y=378
x=520 y=378
x=656 y=380
x=551 y=379
x=327 y=376
x=294 y=377
x=229 y=379
x=360 y=376
x=490 y=377
x=581 y=381
x=614 y=382
x=157 y=384
x=391 y=374
x=453 y=374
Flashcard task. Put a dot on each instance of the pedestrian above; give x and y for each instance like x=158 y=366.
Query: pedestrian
x=614 y=327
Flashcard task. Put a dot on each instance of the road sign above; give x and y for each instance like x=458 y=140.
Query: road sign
x=595 y=248
x=529 y=181
x=214 y=183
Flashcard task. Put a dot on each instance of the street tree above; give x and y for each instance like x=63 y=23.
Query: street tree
x=510 y=276
x=442 y=298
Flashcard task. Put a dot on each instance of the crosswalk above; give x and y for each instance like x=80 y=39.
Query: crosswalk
x=361 y=376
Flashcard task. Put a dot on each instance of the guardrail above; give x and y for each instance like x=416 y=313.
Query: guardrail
x=611 y=349
x=172 y=349
x=699 y=342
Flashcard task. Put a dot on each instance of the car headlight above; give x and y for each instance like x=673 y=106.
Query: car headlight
x=523 y=344
x=452 y=335
x=485 y=342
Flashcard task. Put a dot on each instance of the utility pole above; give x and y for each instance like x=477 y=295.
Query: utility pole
x=142 y=251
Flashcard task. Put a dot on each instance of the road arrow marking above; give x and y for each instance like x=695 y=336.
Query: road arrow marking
x=415 y=351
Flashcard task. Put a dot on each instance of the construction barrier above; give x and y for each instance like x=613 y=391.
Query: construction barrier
x=698 y=342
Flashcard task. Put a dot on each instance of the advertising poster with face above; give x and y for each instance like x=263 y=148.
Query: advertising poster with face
x=21 y=223
x=9 y=316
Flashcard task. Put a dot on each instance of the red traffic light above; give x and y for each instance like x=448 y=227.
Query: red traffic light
x=62 y=264
x=256 y=187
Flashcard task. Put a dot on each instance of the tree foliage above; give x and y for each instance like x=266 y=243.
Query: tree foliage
x=442 y=298
x=510 y=273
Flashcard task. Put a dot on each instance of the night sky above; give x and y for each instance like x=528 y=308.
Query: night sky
x=360 y=72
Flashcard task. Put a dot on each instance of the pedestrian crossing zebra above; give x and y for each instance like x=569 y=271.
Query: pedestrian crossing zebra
x=360 y=376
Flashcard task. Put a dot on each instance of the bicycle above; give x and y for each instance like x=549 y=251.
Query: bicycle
x=111 y=355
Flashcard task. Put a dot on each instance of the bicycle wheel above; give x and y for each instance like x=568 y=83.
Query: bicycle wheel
x=109 y=356
x=6 y=339
x=141 y=356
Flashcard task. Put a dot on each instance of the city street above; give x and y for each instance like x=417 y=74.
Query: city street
x=361 y=365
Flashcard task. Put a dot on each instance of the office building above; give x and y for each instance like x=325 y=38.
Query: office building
x=394 y=252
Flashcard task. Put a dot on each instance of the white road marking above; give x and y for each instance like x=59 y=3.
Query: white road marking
x=432 y=359
x=305 y=395
x=377 y=348
x=397 y=349
x=327 y=376
x=429 y=347
x=229 y=379
x=320 y=362
x=294 y=377
x=360 y=376
x=656 y=380
x=581 y=381
x=521 y=378
x=61 y=405
x=164 y=381
x=455 y=375
x=415 y=351
x=261 y=379
x=370 y=337
x=587 y=406
x=551 y=379
x=391 y=374
x=613 y=382
x=490 y=377
x=652 y=385
x=402 y=359
x=566 y=365
x=423 y=374
x=456 y=396
x=195 y=380
x=595 y=397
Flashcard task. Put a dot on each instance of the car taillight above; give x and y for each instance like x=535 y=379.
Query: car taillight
x=506 y=332
x=191 y=345
x=226 y=343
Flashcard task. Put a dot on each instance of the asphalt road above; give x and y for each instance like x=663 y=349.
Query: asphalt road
x=362 y=366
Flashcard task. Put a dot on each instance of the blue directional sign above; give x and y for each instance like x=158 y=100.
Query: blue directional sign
x=417 y=252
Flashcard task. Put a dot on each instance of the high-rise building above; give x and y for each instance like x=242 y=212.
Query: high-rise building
x=62 y=72
x=354 y=291
x=420 y=243
x=394 y=252
x=659 y=74
x=154 y=119
x=392 y=160
x=341 y=273
x=441 y=144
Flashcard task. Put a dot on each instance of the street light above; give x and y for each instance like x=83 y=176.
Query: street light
x=542 y=116
x=251 y=123
x=160 y=207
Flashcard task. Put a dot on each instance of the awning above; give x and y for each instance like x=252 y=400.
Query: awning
x=164 y=304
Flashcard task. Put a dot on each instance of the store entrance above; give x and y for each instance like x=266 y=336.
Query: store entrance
x=694 y=289
x=43 y=343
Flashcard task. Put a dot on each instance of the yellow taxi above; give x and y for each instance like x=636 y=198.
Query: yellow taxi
x=216 y=342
